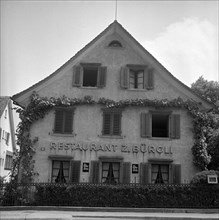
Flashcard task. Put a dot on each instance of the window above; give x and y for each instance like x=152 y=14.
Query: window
x=89 y=75
x=160 y=125
x=60 y=171
x=160 y=174
x=115 y=43
x=158 y=171
x=112 y=122
x=8 y=161
x=63 y=120
x=137 y=77
x=110 y=172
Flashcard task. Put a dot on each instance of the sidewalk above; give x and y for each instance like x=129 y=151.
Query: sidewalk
x=80 y=213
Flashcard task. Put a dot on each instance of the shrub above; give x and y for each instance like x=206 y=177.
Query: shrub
x=202 y=177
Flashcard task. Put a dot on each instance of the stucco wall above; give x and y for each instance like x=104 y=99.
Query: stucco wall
x=87 y=127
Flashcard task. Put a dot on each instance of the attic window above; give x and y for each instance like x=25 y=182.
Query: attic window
x=115 y=43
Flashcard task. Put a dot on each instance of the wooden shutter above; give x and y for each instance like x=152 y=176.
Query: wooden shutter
x=106 y=123
x=68 y=121
x=146 y=125
x=0 y=133
x=75 y=171
x=77 y=76
x=176 y=173
x=101 y=81
x=124 y=77
x=116 y=124
x=145 y=169
x=126 y=172
x=59 y=120
x=149 y=79
x=94 y=175
x=7 y=138
x=175 y=126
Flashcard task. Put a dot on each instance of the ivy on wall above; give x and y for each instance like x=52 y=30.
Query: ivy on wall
x=40 y=106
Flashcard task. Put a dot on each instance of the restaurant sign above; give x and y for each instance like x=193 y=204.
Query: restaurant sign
x=124 y=148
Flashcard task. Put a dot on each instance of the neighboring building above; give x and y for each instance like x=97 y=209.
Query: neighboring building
x=7 y=137
x=92 y=143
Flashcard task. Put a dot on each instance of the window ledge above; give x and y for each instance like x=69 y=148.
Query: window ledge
x=112 y=136
x=160 y=138
x=62 y=134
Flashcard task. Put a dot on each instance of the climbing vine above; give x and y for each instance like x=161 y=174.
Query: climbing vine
x=40 y=106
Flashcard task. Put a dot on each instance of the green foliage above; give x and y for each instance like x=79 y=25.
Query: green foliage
x=139 y=196
x=202 y=177
x=207 y=89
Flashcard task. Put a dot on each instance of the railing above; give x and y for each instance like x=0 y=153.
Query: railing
x=105 y=195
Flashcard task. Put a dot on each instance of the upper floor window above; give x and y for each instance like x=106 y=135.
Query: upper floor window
x=89 y=75
x=112 y=122
x=160 y=125
x=115 y=43
x=63 y=120
x=137 y=77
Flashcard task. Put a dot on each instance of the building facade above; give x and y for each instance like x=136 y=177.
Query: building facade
x=7 y=137
x=129 y=143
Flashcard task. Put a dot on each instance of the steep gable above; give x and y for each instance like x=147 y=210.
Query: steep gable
x=99 y=49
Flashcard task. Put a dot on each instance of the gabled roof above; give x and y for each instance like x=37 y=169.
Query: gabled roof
x=3 y=103
x=114 y=25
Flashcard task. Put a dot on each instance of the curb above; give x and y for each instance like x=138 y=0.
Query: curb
x=109 y=209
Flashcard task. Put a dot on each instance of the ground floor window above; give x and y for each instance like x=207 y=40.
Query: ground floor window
x=159 y=174
x=110 y=172
x=60 y=171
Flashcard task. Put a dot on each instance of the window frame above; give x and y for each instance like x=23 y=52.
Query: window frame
x=148 y=77
x=64 y=111
x=8 y=160
x=174 y=125
x=79 y=75
x=112 y=113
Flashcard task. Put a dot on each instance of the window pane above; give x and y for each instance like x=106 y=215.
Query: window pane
x=160 y=174
x=90 y=76
x=60 y=171
x=160 y=125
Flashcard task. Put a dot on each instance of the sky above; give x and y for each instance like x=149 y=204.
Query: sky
x=37 y=37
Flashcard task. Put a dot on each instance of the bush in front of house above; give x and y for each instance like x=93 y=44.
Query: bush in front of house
x=139 y=196
x=202 y=177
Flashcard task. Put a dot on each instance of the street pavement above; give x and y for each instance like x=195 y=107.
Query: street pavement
x=64 y=214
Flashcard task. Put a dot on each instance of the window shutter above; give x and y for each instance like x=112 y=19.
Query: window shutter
x=59 y=117
x=68 y=121
x=77 y=76
x=0 y=134
x=175 y=126
x=145 y=125
x=7 y=138
x=116 y=124
x=145 y=173
x=149 y=79
x=124 y=77
x=94 y=175
x=106 y=123
x=75 y=171
x=126 y=172
x=101 y=81
x=176 y=173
